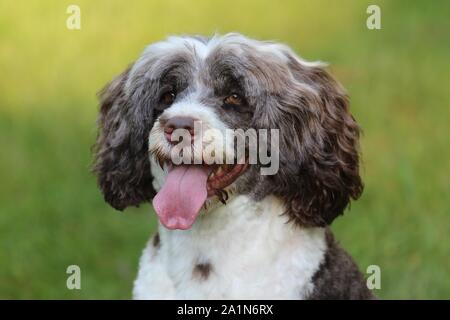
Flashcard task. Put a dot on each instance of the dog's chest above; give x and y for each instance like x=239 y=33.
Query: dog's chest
x=244 y=250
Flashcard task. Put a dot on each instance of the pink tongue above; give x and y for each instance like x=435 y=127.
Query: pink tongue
x=182 y=196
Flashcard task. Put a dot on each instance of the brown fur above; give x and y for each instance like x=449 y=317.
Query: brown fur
x=202 y=271
x=319 y=153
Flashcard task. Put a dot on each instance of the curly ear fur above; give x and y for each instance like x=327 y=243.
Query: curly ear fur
x=329 y=173
x=121 y=157
x=319 y=159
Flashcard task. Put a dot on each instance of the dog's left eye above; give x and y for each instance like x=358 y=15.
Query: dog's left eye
x=233 y=100
x=168 y=97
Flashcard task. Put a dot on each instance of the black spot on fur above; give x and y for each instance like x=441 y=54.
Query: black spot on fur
x=156 y=241
x=202 y=271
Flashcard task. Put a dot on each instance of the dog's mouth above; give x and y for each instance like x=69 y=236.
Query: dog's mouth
x=221 y=176
x=186 y=189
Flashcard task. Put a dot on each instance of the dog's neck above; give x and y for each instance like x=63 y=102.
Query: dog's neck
x=241 y=219
x=246 y=240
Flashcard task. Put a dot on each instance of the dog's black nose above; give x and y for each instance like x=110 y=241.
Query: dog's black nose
x=174 y=123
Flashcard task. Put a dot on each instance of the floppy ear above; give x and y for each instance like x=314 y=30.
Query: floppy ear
x=121 y=157
x=319 y=160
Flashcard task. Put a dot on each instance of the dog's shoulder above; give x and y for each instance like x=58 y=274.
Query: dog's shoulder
x=338 y=276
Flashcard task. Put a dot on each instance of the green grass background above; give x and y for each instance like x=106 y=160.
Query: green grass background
x=52 y=215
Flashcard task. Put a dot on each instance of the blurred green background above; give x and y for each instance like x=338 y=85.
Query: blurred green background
x=52 y=214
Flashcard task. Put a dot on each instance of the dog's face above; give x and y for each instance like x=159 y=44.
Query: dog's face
x=175 y=121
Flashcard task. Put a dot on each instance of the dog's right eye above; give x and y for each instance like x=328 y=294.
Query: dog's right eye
x=233 y=100
x=168 y=97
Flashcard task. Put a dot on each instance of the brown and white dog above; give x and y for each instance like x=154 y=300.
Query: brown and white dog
x=226 y=231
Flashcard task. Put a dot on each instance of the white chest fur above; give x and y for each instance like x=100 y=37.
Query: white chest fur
x=250 y=250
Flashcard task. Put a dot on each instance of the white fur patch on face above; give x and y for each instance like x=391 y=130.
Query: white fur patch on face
x=215 y=135
x=190 y=108
x=158 y=141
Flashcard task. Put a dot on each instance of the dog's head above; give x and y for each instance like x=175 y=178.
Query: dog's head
x=192 y=117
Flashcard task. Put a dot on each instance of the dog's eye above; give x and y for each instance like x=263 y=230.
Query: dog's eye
x=168 y=97
x=233 y=100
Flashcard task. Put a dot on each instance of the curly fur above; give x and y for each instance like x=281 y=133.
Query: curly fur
x=121 y=160
x=319 y=155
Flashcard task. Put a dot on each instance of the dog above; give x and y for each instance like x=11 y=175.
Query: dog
x=227 y=231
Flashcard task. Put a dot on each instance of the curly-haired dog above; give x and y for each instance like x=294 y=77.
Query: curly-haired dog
x=227 y=231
